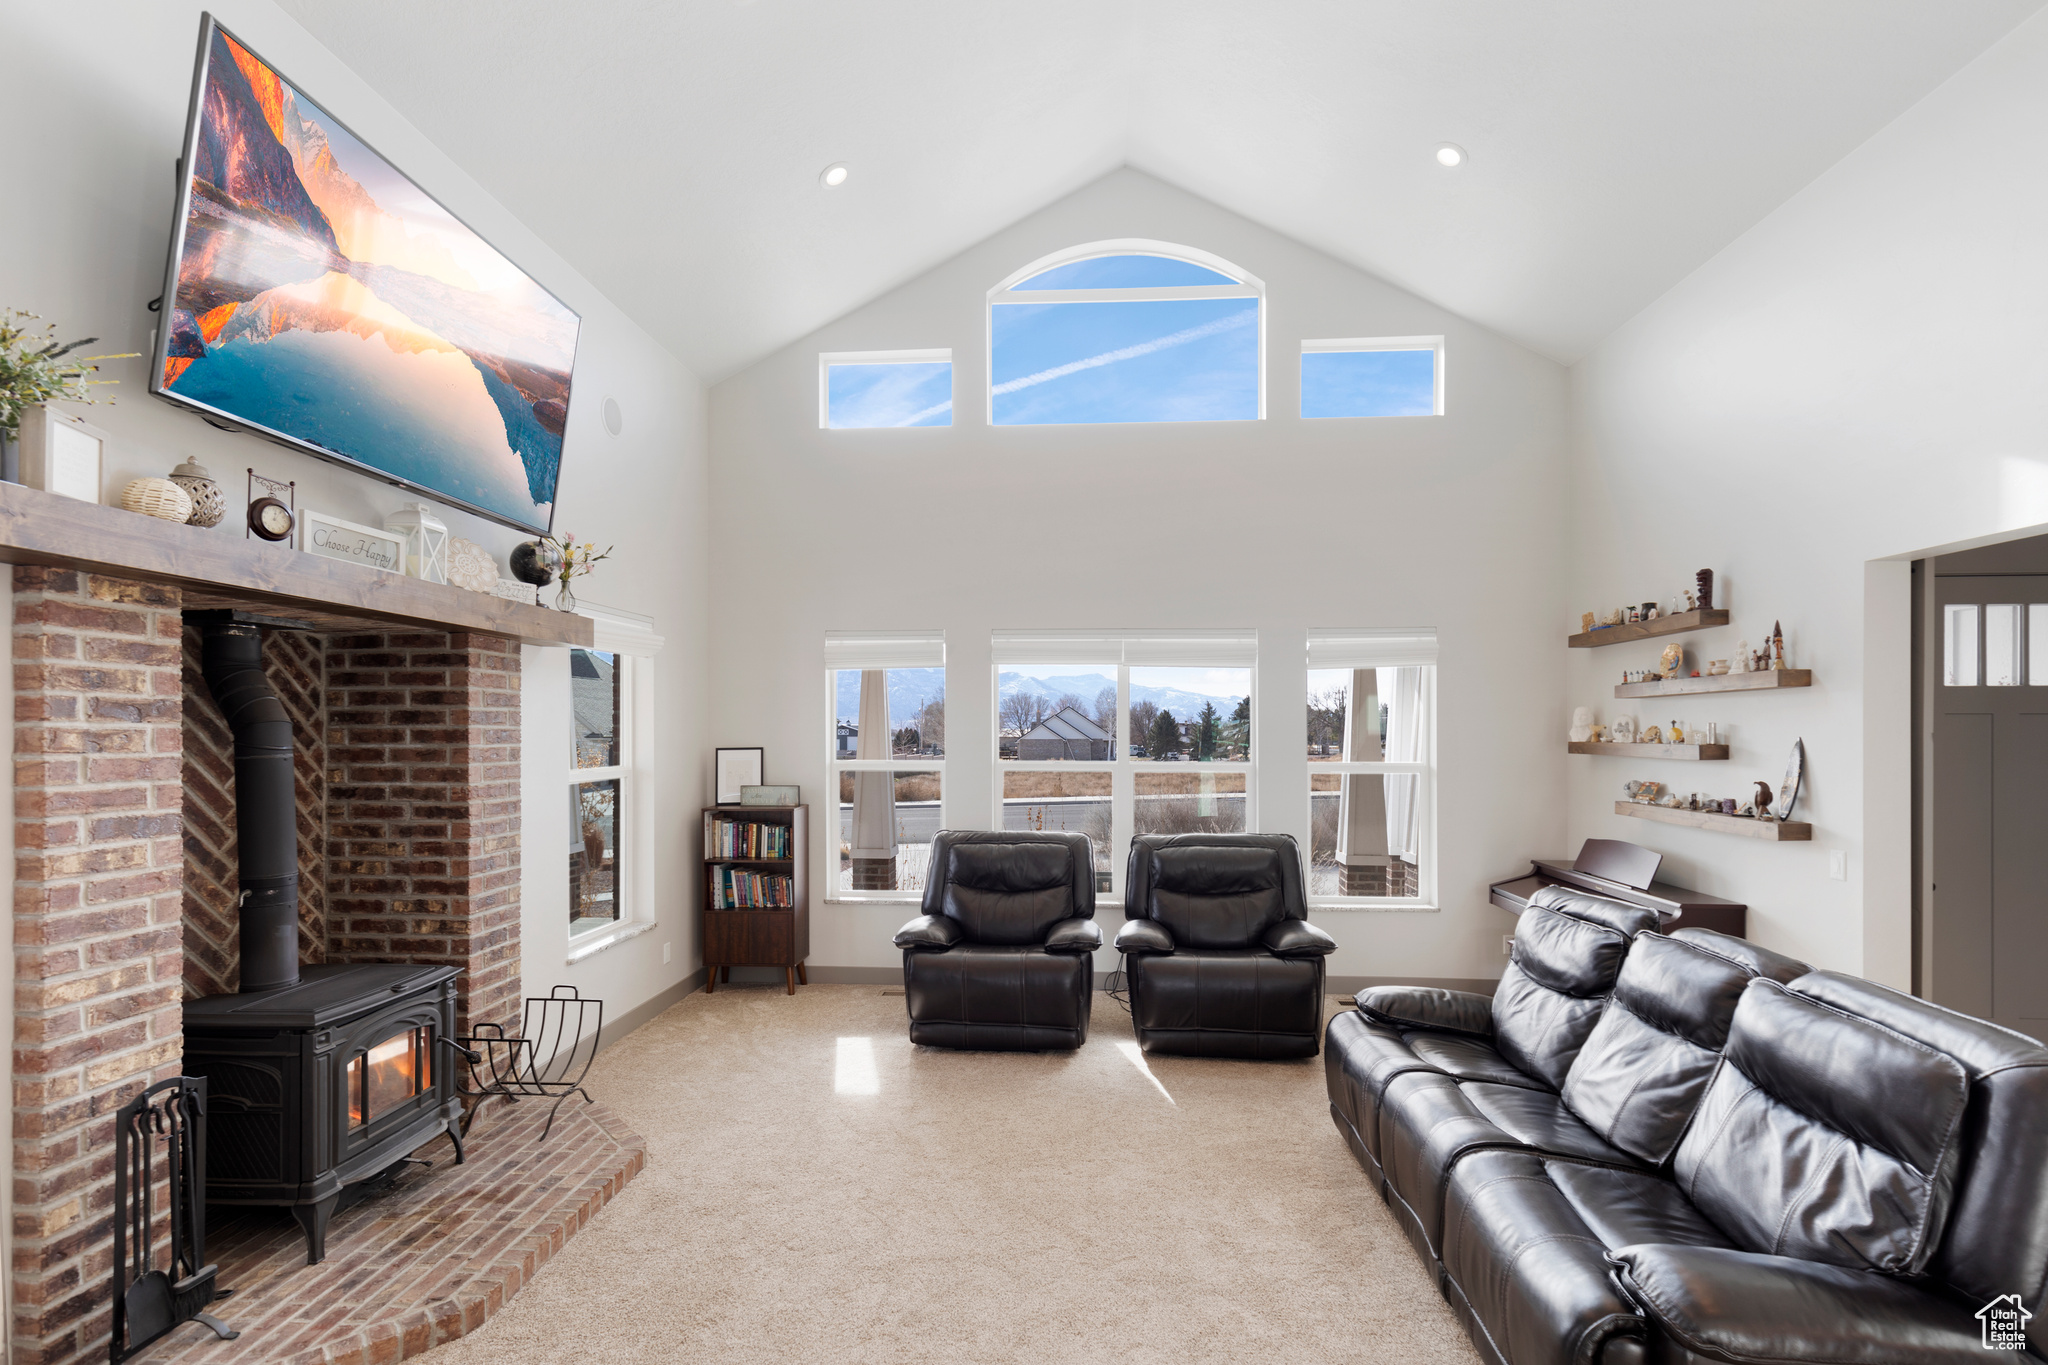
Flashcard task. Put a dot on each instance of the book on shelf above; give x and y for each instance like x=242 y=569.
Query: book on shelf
x=734 y=888
x=745 y=839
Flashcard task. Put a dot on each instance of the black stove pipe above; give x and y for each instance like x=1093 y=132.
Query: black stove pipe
x=266 y=817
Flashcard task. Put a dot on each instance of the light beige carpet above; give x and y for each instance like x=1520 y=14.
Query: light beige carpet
x=817 y=1189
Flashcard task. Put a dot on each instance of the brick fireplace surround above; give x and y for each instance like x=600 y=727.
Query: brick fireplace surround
x=408 y=816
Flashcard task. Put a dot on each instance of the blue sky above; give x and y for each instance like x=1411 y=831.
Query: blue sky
x=1368 y=384
x=895 y=394
x=1178 y=360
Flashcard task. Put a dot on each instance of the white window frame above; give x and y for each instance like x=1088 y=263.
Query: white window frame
x=1248 y=286
x=1123 y=651
x=1398 y=648
x=941 y=355
x=871 y=650
x=633 y=645
x=1347 y=345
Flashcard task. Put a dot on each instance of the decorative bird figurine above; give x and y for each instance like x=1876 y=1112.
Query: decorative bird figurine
x=1763 y=798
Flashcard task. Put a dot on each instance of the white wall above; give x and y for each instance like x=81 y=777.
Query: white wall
x=1450 y=522
x=1858 y=377
x=96 y=100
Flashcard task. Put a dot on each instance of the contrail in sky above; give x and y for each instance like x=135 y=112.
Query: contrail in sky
x=1207 y=329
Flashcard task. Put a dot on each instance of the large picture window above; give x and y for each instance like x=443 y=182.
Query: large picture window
x=1112 y=735
x=1371 y=760
x=1126 y=331
x=886 y=705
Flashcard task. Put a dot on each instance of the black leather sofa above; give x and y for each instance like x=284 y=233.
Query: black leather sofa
x=1219 y=953
x=1659 y=1150
x=1002 y=959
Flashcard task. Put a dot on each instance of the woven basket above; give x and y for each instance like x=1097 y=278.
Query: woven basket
x=158 y=498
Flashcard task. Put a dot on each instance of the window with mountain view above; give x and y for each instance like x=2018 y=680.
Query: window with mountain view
x=1383 y=377
x=886 y=761
x=1111 y=748
x=1126 y=332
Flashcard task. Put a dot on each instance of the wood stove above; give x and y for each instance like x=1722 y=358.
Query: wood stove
x=320 y=1085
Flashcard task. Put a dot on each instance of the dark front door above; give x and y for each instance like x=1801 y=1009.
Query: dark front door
x=1988 y=798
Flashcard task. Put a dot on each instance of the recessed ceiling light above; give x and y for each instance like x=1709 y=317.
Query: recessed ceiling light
x=834 y=174
x=1450 y=154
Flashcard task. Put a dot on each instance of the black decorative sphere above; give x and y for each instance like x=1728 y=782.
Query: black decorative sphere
x=530 y=564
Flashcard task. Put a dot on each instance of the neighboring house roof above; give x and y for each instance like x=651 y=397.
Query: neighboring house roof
x=590 y=694
x=1067 y=723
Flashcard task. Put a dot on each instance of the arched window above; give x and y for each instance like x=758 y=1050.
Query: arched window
x=1127 y=331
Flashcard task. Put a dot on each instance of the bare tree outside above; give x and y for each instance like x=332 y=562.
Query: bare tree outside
x=931 y=726
x=1144 y=715
x=1066 y=700
x=1105 y=710
x=1022 y=710
x=1326 y=721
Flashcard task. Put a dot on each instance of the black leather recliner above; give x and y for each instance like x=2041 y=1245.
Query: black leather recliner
x=1221 y=958
x=1002 y=959
x=1683 y=1148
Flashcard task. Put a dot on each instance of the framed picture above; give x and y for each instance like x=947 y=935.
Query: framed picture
x=333 y=538
x=736 y=768
x=60 y=454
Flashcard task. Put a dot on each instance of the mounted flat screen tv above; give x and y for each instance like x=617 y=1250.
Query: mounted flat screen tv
x=317 y=296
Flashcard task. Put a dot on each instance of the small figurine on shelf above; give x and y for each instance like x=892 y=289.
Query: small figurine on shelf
x=1651 y=611
x=1778 y=646
x=1612 y=617
x=1677 y=733
x=1599 y=735
x=1705 y=579
x=1671 y=663
x=1763 y=801
x=1740 y=663
x=1586 y=622
x=1623 y=730
x=1692 y=603
x=1582 y=725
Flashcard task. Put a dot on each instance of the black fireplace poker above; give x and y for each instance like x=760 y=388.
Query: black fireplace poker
x=266 y=817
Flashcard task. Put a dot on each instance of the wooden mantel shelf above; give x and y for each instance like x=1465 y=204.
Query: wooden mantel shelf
x=1777 y=831
x=1644 y=630
x=217 y=569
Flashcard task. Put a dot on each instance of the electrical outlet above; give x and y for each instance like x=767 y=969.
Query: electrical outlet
x=1507 y=945
x=665 y=951
x=1838 y=864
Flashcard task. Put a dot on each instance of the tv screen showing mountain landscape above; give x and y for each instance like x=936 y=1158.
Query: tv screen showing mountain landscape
x=320 y=295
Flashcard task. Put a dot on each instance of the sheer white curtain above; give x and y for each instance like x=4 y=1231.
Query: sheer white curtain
x=1404 y=745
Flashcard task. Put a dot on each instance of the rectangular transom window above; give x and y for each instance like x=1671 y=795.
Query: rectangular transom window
x=885 y=389
x=1373 y=377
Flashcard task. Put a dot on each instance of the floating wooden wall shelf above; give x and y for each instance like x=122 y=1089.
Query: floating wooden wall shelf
x=1776 y=831
x=1725 y=682
x=1643 y=630
x=1686 y=751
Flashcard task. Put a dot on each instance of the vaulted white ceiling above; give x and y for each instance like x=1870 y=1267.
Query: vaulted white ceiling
x=671 y=151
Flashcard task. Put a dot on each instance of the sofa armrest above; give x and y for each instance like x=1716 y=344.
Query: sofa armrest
x=1144 y=936
x=1740 y=1305
x=1297 y=938
x=1428 y=1007
x=930 y=933
x=1074 y=936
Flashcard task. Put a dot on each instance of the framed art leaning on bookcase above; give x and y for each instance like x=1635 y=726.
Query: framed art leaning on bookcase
x=757 y=903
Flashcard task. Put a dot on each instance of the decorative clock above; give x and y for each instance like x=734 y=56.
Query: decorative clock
x=271 y=517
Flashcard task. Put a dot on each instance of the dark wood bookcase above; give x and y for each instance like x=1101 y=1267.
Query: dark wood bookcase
x=753 y=937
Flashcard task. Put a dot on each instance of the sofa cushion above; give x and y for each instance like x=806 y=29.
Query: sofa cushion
x=1430 y=1122
x=1643 y=1069
x=1626 y=1207
x=1469 y=1059
x=1216 y=896
x=1554 y=989
x=1997 y=1237
x=1525 y=1268
x=1825 y=1137
x=1008 y=893
x=978 y=983
x=1359 y=1058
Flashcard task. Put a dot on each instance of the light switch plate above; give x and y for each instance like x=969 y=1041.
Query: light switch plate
x=1838 y=864
x=1507 y=945
x=665 y=951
